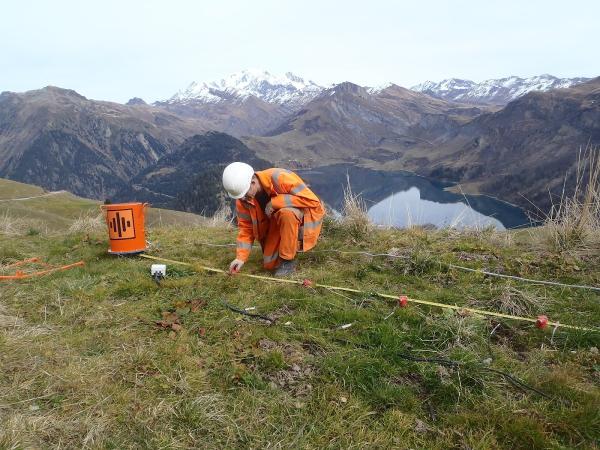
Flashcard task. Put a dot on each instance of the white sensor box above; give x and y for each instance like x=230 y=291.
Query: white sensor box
x=158 y=270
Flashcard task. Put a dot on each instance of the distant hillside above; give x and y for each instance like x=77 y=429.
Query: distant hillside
x=517 y=153
x=240 y=117
x=349 y=123
x=13 y=189
x=523 y=151
x=58 y=139
x=28 y=208
x=189 y=179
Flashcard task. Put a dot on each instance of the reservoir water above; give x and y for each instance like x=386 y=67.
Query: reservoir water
x=402 y=199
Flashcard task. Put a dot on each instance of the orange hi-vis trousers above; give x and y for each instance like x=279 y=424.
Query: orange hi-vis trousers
x=282 y=238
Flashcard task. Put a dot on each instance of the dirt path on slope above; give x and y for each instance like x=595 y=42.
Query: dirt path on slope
x=48 y=194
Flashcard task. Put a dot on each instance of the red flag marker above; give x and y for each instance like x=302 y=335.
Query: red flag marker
x=307 y=283
x=403 y=301
x=541 y=322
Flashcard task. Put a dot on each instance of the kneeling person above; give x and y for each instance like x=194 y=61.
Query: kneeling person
x=277 y=209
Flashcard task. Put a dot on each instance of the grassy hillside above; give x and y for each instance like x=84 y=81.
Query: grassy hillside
x=13 y=189
x=25 y=208
x=102 y=357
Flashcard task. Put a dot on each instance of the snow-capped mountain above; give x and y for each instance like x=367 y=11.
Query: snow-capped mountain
x=288 y=90
x=378 y=89
x=292 y=91
x=257 y=103
x=493 y=92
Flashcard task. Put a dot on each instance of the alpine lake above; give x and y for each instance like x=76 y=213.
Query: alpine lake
x=403 y=199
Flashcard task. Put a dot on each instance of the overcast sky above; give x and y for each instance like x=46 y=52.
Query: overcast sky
x=115 y=50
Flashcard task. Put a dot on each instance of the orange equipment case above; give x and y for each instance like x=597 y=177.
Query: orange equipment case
x=126 y=232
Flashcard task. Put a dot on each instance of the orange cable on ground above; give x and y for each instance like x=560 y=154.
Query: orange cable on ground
x=20 y=275
x=540 y=320
x=25 y=261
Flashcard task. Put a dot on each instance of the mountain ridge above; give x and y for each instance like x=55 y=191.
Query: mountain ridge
x=348 y=122
x=526 y=152
x=59 y=139
x=498 y=91
x=289 y=90
x=292 y=91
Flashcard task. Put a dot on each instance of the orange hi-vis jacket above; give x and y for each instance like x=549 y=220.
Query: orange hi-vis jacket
x=285 y=189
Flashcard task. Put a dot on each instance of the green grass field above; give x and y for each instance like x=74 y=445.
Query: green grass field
x=103 y=357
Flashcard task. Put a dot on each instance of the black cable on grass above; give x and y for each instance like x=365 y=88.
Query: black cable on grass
x=456 y=364
x=451 y=363
x=515 y=381
x=246 y=313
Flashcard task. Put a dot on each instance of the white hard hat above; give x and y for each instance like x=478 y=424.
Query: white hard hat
x=237 y=177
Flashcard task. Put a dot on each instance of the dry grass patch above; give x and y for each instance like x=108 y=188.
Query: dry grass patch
x=7 y=321
x=513 y=301
x=88 y=223
x=222 y=218
x=18 y=226
x=573 y=224
x=355 y=218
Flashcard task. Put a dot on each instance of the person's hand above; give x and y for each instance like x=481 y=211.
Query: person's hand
x=269 y=210
x=235 y=266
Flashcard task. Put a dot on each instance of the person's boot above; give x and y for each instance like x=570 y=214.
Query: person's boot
x=286 y=267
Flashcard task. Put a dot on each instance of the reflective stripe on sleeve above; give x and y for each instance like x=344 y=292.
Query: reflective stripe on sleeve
x=275 y=179
x=298 y=189
x=244 y=245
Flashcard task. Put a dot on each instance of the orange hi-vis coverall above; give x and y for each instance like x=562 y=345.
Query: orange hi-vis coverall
x=297 y=216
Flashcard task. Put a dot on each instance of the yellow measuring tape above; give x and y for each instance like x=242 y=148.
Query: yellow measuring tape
x=357 y=291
